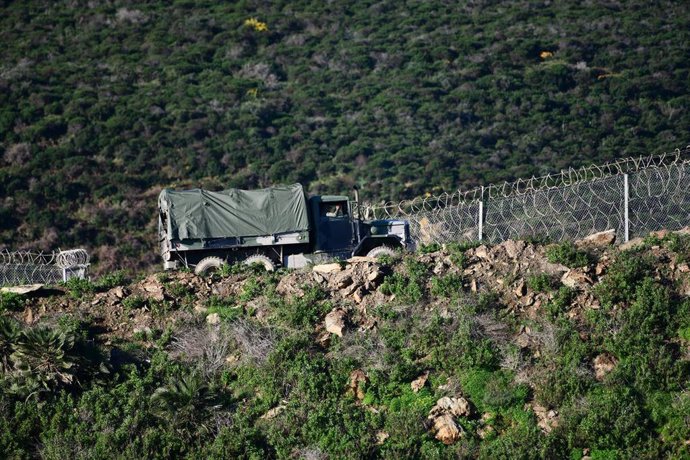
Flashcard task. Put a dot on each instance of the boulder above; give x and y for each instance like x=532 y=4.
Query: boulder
x=335 y=321
x=23 y=289
x=576 y=278
x=599 y=239
x=375 y=275
x=213 y=318
x=458 y=407
x=632 y=244
x=327 y=268
x=343 y=280
x=513 y=248
x=481 y=252
x=446 y=430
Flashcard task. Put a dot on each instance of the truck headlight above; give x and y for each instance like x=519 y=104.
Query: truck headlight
x=374 y=230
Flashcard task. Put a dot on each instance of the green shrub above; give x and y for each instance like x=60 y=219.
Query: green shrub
x=493 y=390
x=10 y=301
x=429 y=248
x=410 y=287
x=111 y=280
x=303 y=311
x=448 y=286
x=79 y=288
x=134 y=302
x=225 y=307
x=567 y=254
x=9 y=333
x=608 y=418
x=541 y=282
x=561 y=301
x=622 y=278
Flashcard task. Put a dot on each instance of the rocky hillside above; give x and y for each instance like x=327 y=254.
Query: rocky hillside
x=520 y=350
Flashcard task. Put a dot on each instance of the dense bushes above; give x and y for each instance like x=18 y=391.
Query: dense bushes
x=101 y=107
x=267 y=383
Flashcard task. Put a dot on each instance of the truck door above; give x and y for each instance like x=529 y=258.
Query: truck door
x=334 y=226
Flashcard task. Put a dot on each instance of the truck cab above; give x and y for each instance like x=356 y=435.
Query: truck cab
x=333 y=226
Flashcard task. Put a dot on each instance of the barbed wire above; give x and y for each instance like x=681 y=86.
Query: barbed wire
x=565 y=178
x=630 y=195
x=28 y=267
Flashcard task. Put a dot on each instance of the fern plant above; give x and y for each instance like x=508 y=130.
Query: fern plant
x=185 y=402
x=43 y=361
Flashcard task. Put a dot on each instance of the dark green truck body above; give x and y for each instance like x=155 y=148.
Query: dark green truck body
x=280 y=223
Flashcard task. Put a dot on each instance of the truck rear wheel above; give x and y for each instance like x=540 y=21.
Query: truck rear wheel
x=208 y=265
x=260 y=259
x=381 y=251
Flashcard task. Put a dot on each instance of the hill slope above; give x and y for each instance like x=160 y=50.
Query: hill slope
x=104 y=103
x=514 y=351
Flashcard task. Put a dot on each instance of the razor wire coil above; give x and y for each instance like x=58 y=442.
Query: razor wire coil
x=570 y=204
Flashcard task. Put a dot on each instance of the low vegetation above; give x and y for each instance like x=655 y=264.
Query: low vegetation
x=597 y=369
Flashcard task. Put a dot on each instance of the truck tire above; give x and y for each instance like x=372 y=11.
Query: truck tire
x=381 y=251
x=260 y=259
x=208 y=264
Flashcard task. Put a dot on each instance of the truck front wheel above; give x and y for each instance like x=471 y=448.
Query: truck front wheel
x=381 y=251
x=207 y=265
x=260 y=259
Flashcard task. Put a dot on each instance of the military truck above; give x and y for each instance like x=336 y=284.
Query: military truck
x=277 y=226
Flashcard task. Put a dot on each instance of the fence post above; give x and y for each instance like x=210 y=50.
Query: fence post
x=481 y=216
x=626 y=199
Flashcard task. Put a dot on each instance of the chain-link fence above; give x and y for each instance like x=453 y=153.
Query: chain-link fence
x=632 y=196
x=25 y=267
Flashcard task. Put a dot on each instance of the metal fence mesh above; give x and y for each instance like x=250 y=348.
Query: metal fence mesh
x=634 y=194
x=26 y=267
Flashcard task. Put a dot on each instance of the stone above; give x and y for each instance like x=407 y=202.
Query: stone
x=28 y=316
x=154 y=289
x=575 y=278
x=343 y=280
x=514 y=248
x=458 y=407
x=446 y=430
x=335 y=322
x=272 y=413
x=118 y=292
x=599 y=239
x=418 y=383
x=318 y=277
x=358 y=295
x=632 y=244
x=375 y=275
x=520 y=289
x=22 y=290
x=361 y=259
x=327 y=268
x=200 y=309
x=381 y=437
x=213 y=318
x=357 y=381
x=603 y=364
x=481 y=252
x=661 y=234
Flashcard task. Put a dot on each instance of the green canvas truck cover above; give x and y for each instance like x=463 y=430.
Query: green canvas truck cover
x=201 y=214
